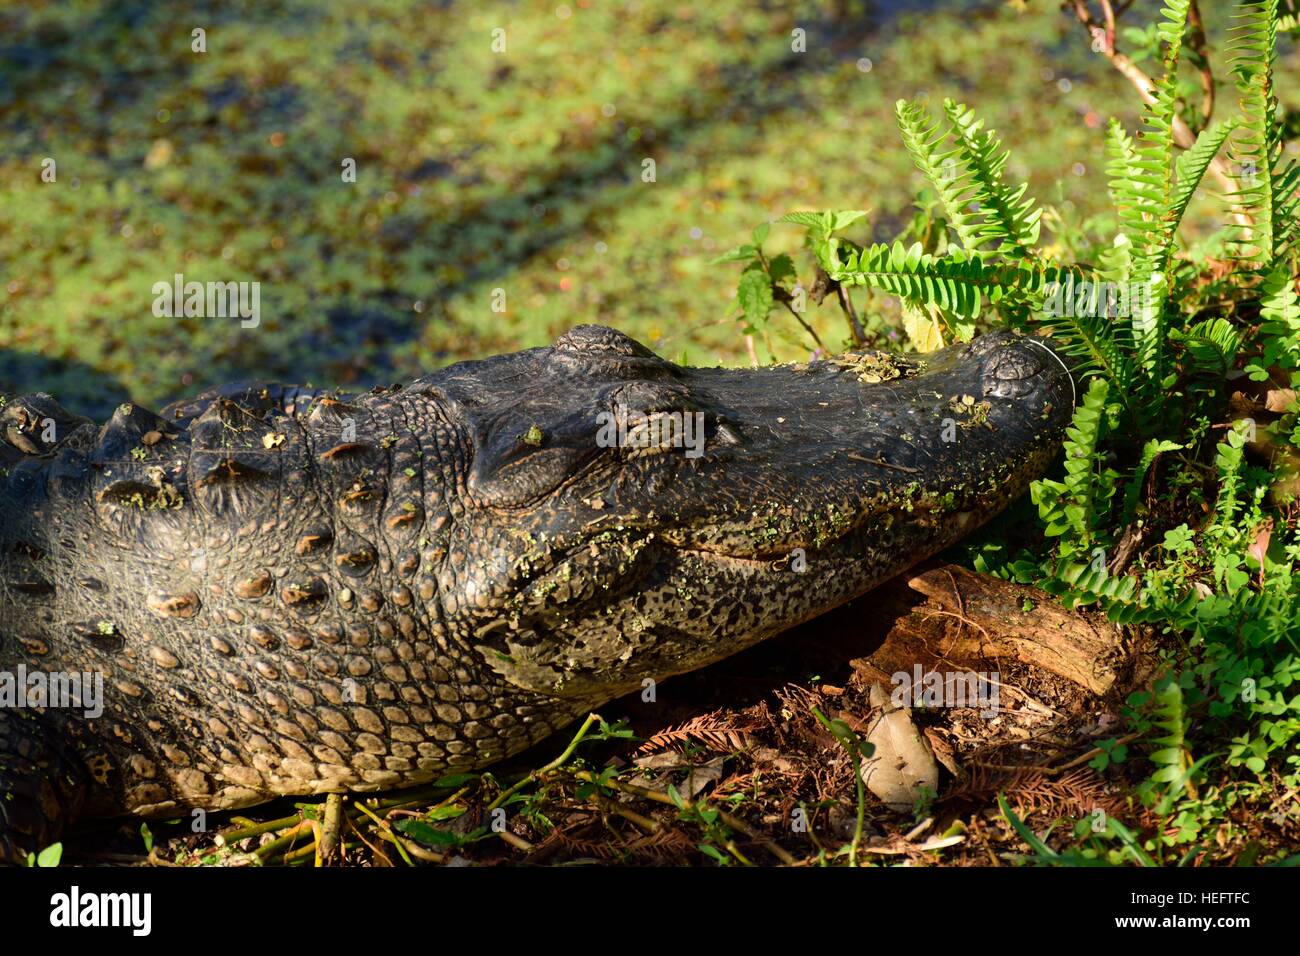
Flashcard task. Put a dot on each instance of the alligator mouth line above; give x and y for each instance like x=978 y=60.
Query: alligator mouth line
x=637 y=543
x=859 y=534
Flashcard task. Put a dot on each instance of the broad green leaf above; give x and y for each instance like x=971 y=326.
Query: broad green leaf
x=754 y=293
x=738 y=254
x=50 y=856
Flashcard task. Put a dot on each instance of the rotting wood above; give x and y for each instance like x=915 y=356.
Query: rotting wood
x=968 y=617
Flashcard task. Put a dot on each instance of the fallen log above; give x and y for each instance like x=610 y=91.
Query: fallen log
x=968 y=617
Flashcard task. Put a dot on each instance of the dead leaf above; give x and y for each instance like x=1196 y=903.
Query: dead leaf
x=903 y=764
x=698 y=777
x=1279 y=399
x=1259 y=547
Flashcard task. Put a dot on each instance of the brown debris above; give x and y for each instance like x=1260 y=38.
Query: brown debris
x=969 y=617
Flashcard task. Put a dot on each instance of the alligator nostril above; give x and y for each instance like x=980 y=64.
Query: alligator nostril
x=1012 y=374
x=1014 y=366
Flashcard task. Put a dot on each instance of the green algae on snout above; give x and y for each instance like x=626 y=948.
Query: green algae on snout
x=976 y=413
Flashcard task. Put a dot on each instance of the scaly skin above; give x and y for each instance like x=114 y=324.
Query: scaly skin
x=288 y=593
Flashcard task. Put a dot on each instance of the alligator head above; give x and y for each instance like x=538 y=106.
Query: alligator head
x=626 y=518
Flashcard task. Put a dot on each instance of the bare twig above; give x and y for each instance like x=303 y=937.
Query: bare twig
x=332 y=828
x=807 y=328
x=783 y=297
x=1109 y=14
x=846 y=303
x=1197 y=41
x=612 y=806
x=1184 y=137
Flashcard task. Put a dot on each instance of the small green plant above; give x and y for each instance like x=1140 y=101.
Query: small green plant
x=858 y=751
x=1112 y=752
x=49 y=857
x=717 y=842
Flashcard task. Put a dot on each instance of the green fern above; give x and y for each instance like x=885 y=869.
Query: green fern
x=1086 y=334
x=1173 y=760
x=1121 y=160
x=1076 y=507
x=1269 y=193
x=966 y=164
x=1279 y=310
x=1080 y=583
x=1012 y=218
x=1144 y=188
x=1190 y=168
x=1268 y=188
x=1212 y=346
x=958 y=283
x=920 y=134
x=954 y=284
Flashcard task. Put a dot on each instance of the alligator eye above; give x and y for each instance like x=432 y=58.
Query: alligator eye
x=636 y=433
x=666 y=431
x=599 y=339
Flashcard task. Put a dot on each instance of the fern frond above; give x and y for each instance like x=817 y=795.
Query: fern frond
x=1072 y=507
x=1010 y=216
x=1082 y=482
x=1172 y=760
x=1175 y=25
x=1268 y=184
x=1149 y=219
x=1147 y=188
x=1124 y=193
x=1147 y=197
x=1279 y=310
x=956 y=284
x=1099 y=346
x=1191 y=166
x=941 y=167
x=1286 y=192
x=1212 y=345
x=1080 y=583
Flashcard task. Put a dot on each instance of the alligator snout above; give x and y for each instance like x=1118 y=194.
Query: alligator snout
x=1023 y=366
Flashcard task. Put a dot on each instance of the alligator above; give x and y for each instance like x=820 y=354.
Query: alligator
x=271 y=590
